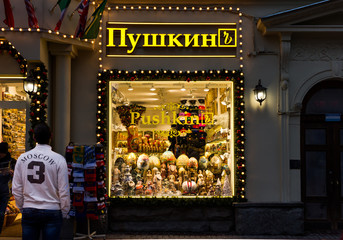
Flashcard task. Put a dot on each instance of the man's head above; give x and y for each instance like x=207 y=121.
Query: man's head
x=3 y=149
x=42 y=133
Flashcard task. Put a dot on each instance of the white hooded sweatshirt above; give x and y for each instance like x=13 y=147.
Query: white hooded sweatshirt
x=41 y=180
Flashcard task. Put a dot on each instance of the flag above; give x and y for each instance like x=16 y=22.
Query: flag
x=33 y=22
x=83 y=12
x=63 y=4
x=9 y=21
x=92 y=30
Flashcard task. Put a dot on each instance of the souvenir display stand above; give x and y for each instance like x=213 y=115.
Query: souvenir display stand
x=86 y=165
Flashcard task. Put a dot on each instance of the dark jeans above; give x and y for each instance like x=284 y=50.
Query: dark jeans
x=36 y=221
x=3 y=205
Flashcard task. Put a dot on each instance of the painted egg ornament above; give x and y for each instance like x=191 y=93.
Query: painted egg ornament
x=131 y=159
x=216 y=164
x=154 y=162
x=168 y=157
x=182 y=160
x=193 y=163
x=203 y=163
x=143 y=162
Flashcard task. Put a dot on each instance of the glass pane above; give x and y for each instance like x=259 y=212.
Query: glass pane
x=316 y=173
x=315 y=137
x=326 y=101
x=165 y=140
x=341 y=136
x=316 y=211
x=342 y=174
x=13 y=130
x=12 y=92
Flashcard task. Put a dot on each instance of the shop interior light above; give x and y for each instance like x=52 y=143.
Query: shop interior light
x=260 y=92
x=130 y=88
x=206 y=89
x=183 y=88
x=152 y=88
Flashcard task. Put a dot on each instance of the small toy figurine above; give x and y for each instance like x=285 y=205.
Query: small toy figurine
x=139 y=188
x=149 y=189
x=148 y=177
x=117 y=189
x=163 y=171
x=218 y=188
x=116 y=174
x=158 y=182
x=210 y=191
x=201 y=181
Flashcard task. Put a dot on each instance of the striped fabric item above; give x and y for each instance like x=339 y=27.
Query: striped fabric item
x=32 y=19
x=9 y=21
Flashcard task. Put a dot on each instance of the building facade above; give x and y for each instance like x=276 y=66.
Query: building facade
x=282 y=157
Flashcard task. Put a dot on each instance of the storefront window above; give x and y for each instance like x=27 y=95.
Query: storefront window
x=13 y=116
x=171 y=138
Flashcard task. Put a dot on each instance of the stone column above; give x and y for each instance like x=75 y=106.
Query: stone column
x=284 y=113
x=62 y=95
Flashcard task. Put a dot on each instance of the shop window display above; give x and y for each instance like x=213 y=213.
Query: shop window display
x=171 y=138
x=13 y=117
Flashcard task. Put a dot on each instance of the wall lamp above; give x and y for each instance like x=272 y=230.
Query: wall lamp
x=260 y=92
x=30 y=85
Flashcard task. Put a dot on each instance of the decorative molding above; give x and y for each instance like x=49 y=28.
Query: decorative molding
x=317 y=50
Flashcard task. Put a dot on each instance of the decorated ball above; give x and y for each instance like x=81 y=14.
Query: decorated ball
x=193 y=163
x=189 y=187
x=182 y=160
x=143 y=162
x=154 y=162
x=203 y=162
x=168 y=157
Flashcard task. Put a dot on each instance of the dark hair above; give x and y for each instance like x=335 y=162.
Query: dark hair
x=42 y=133
x=3 y=147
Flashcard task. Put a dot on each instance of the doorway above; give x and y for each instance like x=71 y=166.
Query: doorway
x=322 y=156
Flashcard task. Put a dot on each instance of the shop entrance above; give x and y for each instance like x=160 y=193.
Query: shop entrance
x=322 y=156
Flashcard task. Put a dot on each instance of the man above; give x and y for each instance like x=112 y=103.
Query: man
x=41 y=188
x=7 y=164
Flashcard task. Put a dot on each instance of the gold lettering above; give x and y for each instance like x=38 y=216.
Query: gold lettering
x=194 y=39
x=166 y=117
x=111 y=37
x=156 y=119
x=154 y=40
x=133 y=114
x=133 y=41
x=175 y=40
x=146 y=122
x=212 y=40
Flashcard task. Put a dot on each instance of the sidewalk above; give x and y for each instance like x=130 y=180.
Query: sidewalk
x=319 y=235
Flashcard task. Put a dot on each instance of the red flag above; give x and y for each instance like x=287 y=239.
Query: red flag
x=9 y=21
x=33 y=22
x=83 y=12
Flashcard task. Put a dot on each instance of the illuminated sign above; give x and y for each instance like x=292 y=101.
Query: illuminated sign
x=127 y=39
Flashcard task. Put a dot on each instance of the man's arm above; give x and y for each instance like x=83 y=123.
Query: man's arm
x=63 y=188
x=17 y=186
